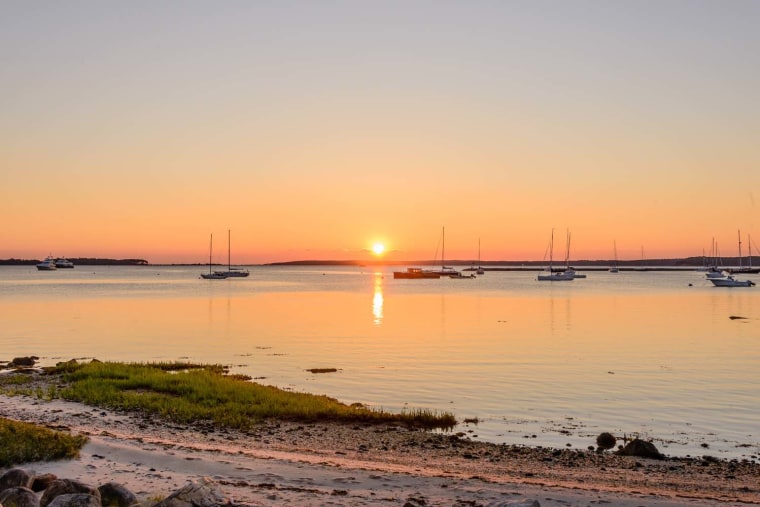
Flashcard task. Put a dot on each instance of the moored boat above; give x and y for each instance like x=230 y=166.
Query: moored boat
x=744 y=269
x=48 y=264
x=551 y=274
x=64 y=263
x=412 y=273
x=232 y=272
x=730 y=281
x=212 y=275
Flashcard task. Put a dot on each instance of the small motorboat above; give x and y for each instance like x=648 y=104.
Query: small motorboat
x=730 y=281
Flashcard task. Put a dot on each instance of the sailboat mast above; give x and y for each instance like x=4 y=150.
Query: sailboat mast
x=443 y=248
x=749 y=249
x=740 y=249
x=229 y=264
x=551 y=252
x=210 y=249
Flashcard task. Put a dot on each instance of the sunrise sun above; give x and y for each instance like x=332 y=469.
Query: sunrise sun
x=378 y=249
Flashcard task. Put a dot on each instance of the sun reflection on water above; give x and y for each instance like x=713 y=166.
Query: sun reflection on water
x=377 y=300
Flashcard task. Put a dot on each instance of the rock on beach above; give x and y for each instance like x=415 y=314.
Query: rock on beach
x=15 y=492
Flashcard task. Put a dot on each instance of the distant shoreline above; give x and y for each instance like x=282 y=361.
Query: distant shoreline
x=675 y=264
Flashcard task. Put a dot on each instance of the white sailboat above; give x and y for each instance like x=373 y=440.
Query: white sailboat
x=713 y=271
x=568 y=269
x=614 y=268
x=212 y=275
x=232 y=272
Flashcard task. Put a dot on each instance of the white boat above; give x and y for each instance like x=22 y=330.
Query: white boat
x=232 y=272
x=48 y=264
x=730 y=281
x=212 y=275
x=614 y=268
x=713 y=271
x=64 y=263
x=551 y=275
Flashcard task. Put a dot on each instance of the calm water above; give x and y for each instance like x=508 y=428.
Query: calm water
x=538 y=363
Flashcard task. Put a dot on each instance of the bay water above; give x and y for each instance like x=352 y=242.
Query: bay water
x=654 y=354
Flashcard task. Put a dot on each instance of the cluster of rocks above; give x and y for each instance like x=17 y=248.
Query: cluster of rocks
x=20 y=362
x=636 y=447
x=22 y=488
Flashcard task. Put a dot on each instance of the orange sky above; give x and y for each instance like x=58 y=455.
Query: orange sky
x=313 y=131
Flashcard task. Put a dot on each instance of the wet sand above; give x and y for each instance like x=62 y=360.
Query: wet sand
x=284 y=463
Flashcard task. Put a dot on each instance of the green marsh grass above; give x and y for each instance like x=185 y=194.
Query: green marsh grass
x=187 y=393
x=25 y=443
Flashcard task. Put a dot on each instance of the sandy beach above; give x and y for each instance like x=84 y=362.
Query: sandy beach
x=285 y=463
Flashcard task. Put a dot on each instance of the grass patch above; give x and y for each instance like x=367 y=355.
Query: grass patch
x=187 y=393
x=24 y=443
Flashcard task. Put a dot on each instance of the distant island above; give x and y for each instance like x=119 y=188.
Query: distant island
x=79 y=261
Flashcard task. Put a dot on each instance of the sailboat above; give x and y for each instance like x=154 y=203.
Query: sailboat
x=232 y=272
x=568 y=269
x=614 y=268
x=480 y=270
x=741 y=268
x=212 y=275
x=446 y=270
x=643 y=266
x=713 y=271
x=551 y=275
x=414 y=273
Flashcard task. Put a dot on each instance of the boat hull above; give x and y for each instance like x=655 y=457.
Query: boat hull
x=234 y=273
x=414 y=273
x=213 y=276
x=557 y=277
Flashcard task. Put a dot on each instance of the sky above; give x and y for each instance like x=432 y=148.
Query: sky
x=314 y=130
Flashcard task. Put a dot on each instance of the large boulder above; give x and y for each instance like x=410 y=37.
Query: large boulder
x=15 y=478
x=113 y=494
x=75 y=500
x=42 y=482
x=66 y=487
x=19 y=497
x=201 y=493
x=642 y=449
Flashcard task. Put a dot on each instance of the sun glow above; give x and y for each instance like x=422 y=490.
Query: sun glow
x=378 y=249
